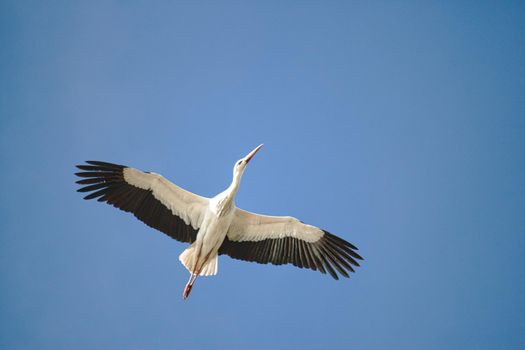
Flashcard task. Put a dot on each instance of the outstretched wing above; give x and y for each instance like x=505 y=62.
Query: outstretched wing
x=285 y=240
x=150 y=197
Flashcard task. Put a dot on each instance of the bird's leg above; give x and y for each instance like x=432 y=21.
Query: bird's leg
x=189 y=286
x=193 y=278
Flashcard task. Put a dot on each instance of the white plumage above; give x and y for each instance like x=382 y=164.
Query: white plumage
x=215 y=226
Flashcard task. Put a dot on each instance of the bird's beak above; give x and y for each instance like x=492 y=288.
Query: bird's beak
x=252 y=153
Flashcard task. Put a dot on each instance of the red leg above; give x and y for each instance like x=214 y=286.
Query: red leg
x=189 y=286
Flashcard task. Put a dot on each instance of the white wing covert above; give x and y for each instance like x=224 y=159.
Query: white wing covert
x=154 y=200
x=284 y=240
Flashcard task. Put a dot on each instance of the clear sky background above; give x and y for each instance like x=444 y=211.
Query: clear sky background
x=399 y=126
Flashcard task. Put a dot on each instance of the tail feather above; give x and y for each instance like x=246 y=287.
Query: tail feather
x=188 y=259
x=211 y=267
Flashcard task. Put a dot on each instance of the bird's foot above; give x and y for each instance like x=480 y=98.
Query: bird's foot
x=189 y=286
x=187 y=291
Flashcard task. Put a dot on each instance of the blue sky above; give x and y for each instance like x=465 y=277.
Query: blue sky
x=398 y=126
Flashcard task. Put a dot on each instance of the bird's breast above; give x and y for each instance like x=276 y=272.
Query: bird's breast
x=221 y=207
x=214 y=230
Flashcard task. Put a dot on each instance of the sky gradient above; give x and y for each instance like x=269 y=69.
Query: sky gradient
x=398 y=126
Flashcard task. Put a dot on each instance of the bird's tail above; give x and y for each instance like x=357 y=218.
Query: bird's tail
x=211 y=267
x=189 y=260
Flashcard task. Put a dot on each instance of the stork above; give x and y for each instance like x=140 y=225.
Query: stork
x=215 y=226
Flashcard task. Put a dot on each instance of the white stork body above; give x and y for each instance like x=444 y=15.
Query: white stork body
x=215 y=226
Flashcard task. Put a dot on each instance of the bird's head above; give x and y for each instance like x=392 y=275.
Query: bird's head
x=240 y=165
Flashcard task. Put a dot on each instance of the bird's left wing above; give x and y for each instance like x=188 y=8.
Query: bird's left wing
x=154 y=200
x=284 y=240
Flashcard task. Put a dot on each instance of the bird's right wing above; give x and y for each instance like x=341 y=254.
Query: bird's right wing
x=154 y=200
x=286 y=240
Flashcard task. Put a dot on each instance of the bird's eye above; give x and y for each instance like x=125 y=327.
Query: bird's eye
x=239 y=162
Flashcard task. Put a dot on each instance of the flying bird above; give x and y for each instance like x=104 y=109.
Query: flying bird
x=215 y=226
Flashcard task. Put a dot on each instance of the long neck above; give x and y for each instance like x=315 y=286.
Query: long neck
x=226 y=200
x=234 y=186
